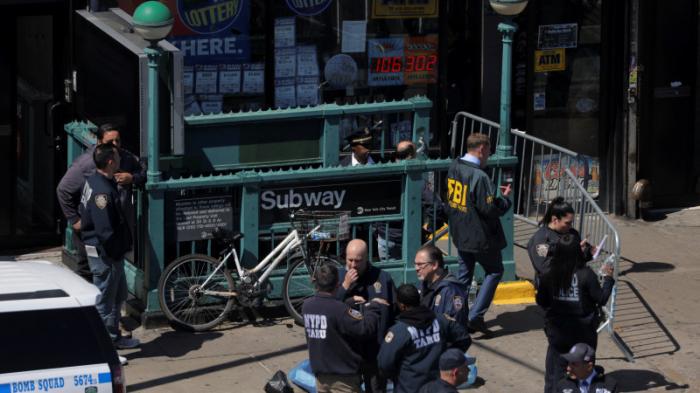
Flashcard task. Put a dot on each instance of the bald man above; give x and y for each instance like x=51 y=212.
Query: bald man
x=360 y=283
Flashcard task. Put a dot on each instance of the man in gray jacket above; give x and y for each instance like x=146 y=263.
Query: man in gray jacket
x=474 y=212
x=131 y=173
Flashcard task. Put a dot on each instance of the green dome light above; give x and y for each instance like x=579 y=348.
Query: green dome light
x=153 y=20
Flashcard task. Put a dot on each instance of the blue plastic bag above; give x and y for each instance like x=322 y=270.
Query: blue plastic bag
x=302 y=376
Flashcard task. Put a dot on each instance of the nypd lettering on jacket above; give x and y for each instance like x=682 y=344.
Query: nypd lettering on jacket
x=424 y=337
x=316 y=326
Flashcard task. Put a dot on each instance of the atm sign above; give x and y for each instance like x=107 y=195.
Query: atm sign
x=550 y=60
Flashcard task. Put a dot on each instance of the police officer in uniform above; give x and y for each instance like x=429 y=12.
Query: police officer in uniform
x=107 y=238
x=440 y=290
x=411 y=349
x=132 y=172
x=556 y=222
x=331 y=327
x=454 y=371
x=582 y=373
x=571 y=296
x=474 y=213
x=362 y=282
x=360 y=143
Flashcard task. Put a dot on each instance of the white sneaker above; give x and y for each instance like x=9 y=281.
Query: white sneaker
x=124 y=361
x=127 y=343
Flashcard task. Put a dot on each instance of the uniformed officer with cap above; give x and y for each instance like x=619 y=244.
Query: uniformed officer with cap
x=440 y=290
x=411 y=349
x=107 y=238
x=454 y=371
x=331 y=327
x=582 y=373
x=360 y=143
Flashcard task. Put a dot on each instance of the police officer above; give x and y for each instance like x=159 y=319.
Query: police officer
x=362 y=282
x=582 y=373
x=571 y=296
x=440 y=290
x=360 y=143
x=331 y=326
x=131 y=173
x=454 y=371
x=474 y=212
x=412 y=347
x=556 y=222
x=107 y=239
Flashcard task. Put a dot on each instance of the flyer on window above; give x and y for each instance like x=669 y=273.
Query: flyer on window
x=285 y=93
x=211 y=103
x=206 y=79
x=285 y=32
x=307 y=91
x=188 y=80
x=354 y=36
x=285 y=62
x=253 y=78
x=307 y=62
x=229 y=78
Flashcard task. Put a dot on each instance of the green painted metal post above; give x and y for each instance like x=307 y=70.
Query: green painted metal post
x=250 y=206
x=421 y=122
x=413 y=188
x=330 y=141
x=156 y=205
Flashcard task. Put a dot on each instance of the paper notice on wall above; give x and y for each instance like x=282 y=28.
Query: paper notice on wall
x=285 y=32
x=354 y=36
x=307 y=91
x=188 y=80
x=253 y=78
x=206 y=79
x=539 y=101
x=285 y=63
x=229 y=78
x=285 y=93
x=307 y=63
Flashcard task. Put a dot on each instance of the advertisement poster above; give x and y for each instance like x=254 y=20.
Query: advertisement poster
x=285 y=62
x=285 y=93
x=285 y=35
x=385 y=61
x=307 y=91
x=307 y=63
x=229 y=78
x=206 y=79
x=548 y=171
x=539 y=100
x=253 y=78
x=364 y=198
x=401 y=9
x=420 y=64
x=550 y=60
x=211 y=31
x=354 y=36
x=211 y=103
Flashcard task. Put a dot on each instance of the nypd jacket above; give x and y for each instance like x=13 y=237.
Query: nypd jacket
x=103 y=223
x=474 y=209
x=600 y=384
x=411 y=349
x=446 y=296
x=438 y=386
x=71 y=185
x=581 y=299
x=540 y=246
x=373 y=283
x=330 y=327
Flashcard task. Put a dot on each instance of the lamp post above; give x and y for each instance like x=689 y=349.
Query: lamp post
x=508 y=8
x=153 y=21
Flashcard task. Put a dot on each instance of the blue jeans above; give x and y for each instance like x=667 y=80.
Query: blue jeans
x=492 y=262
x=108 y=277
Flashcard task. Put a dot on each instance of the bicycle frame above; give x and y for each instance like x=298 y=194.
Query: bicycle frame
x=291 y=241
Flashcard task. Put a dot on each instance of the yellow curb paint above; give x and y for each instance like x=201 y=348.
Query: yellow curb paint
x=514 y=292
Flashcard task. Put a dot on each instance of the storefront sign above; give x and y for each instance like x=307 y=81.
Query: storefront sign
x=308 y=7
x=196 y=218
x=386 y=62
x=558 y=36
x=365 y=198
x=401 y=9
x=550 y=60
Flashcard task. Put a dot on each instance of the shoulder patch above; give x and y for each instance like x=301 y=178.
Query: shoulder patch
x=542 y=249
x=489 y=199
x=458 y=302
x=377 y=286
x=449 y=318
x=389 y=336
x=438 y=297
x=101 y=200
x=355 y=314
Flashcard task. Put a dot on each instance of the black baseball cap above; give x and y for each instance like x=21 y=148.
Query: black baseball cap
x=362 y=137
x=580 y=353
x=451 y=359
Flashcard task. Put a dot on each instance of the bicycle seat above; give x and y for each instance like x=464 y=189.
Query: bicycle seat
x=226 y=236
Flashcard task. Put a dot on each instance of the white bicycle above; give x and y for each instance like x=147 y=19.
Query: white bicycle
x=196 y=292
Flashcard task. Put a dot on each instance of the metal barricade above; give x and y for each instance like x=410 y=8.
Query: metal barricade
x=545 y=171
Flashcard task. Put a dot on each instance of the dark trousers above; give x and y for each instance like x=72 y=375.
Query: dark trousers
x=562 y=334
x=81 y=268
x=373 y=380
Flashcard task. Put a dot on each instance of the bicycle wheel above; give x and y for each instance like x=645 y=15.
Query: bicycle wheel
x=180 y=292
x=297 y=285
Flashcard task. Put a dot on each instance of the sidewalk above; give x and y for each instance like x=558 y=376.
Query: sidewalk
x=658 y=318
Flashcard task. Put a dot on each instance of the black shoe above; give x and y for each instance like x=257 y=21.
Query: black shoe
x=477 y=325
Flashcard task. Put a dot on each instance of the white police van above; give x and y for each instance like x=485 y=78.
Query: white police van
x=51 y=337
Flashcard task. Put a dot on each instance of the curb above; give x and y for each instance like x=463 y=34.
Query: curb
x=515 y=292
